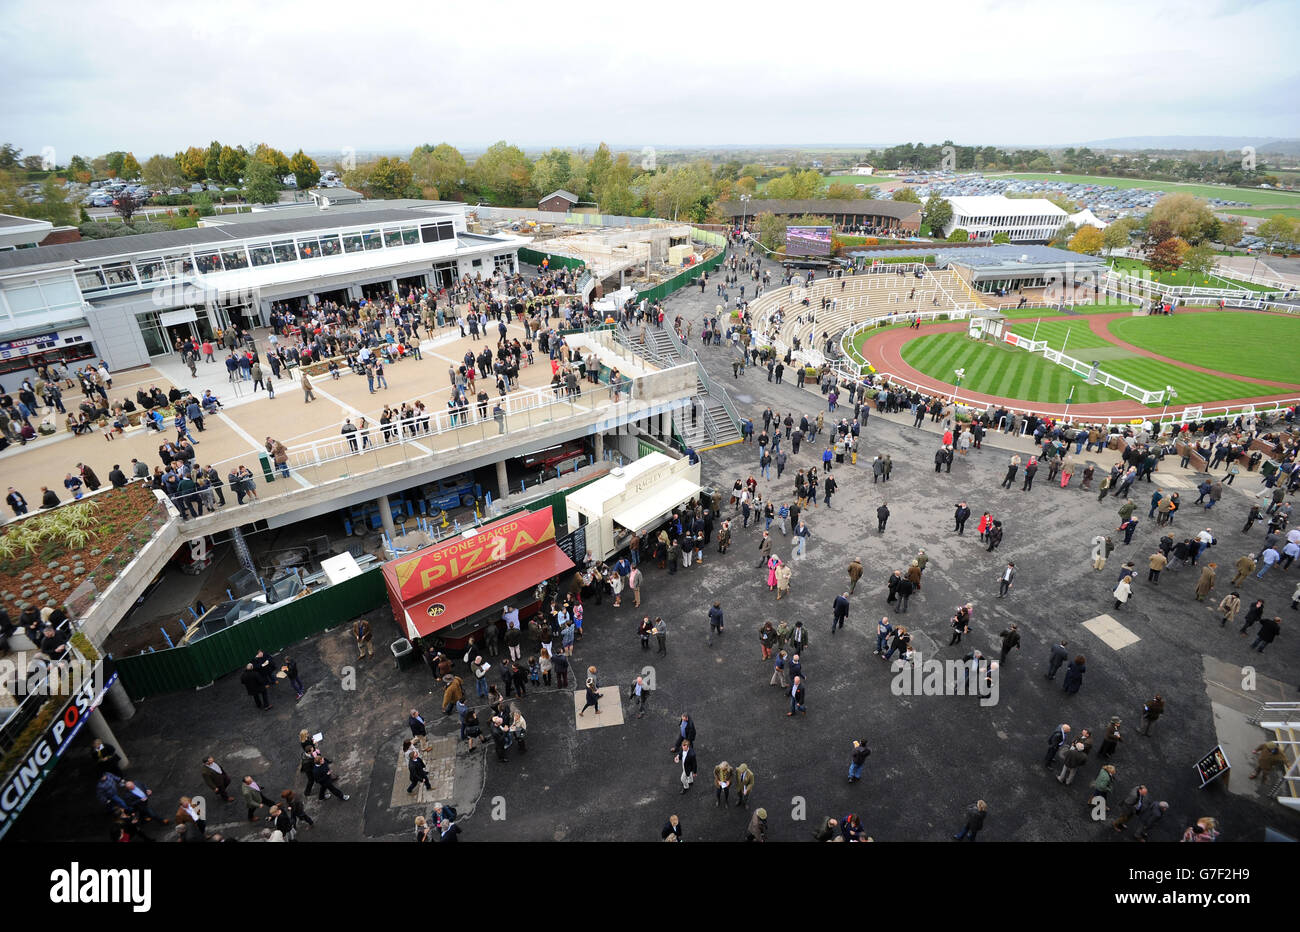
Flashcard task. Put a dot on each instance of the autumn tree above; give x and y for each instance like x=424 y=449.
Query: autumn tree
x=440 y=171
x=191 y=163
x=503 y=175
x=1117 y=235
x=1231 y=232
x=1087 y=241
x=307 y=173
x=771 y=230
x=1198 y=260
x=130 y=167
x=906 y=194
x=161 y=172
x=1167 y=255
x=1188 y=217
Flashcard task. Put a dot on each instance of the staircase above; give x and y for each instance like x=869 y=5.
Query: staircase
x=1281 y=720
x=716 y=421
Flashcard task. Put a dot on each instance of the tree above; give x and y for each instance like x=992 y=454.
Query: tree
x=599 y=167
x=1087 y=241
x=77 y=165
x=503 y=174
x=1231 y=232
x=230 y=167
x=33 y=163
x=746 y=184
x=1277 y=231
x=125 y=206
x=278 y=161
x=841 y=192
x=906 y=194
x=614 y=194
x=1117 y=235
x=161 y=172
x=55 y=207
x=191 y=163
x=1062 y=236
x=957 y=236
x=552 y=172
x=1199 y=260
x=212 y=161
x=130 y=167
x=114 y=162
x=1157 y=231
x=800 y=186
x=937 y=213
x=999 y=238
x=440 y=171
x=771 y=230
x=307 y=173
x=261 y=180
x=1167 y=255
x=677 y=192
x=10 y=156
x=1189 y=218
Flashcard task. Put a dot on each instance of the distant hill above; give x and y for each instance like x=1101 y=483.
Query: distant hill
x=1272 y=144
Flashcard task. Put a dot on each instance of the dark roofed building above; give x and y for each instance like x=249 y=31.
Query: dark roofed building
x=558 y=202
x=874 y=215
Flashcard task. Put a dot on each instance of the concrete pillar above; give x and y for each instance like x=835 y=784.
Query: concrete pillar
x=386 y=516
x=503 y=484
x=121 y=704
x=392 y=285
x=99 y=727
x=313 y=299
x=354 y=292
x=600 y=447
x=665 y=425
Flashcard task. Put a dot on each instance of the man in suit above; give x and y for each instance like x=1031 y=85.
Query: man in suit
x=797 y=696
x=138 y=795
x=840 y=608
x=672 y=829
x=321 y=774
x=686 y=756
x=1054 y=744
x=254 y=798
x=216 y=778
x=255 y=686
x=1059 y=656
x=1008 y=577
x=685 y=731
x=416 y=723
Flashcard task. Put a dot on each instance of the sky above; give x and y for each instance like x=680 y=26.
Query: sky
x=149 y=77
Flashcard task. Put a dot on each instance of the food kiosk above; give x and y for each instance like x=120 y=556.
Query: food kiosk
x=632 y=498
x=452 y=589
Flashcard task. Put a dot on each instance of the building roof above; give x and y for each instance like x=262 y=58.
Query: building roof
x=309 y=208
x=1000 y=205
x=337 y=195
x=899 y=210
x=9 y=220
x=1011 y=257
x=270 y=223
x=571 y=198
x=1086 y=216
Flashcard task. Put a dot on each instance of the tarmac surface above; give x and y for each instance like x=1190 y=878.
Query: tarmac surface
x=932 y=756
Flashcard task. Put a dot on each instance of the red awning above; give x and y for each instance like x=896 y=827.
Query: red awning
x=461 y=600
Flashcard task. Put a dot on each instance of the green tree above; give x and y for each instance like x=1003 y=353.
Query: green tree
x=599 y=167
x=130 y=167
x=677 y=192
x=1087 y=240
x=1278 y=231
x=794 y=186
x=161 y=172
x=1199 y=260
x=956 y=236
x=614 y=194
x=1231 y=232
x=503 y=175
x=552 y=172
x=440 y=171
x=230 y=166
x=55 y=208
x=1061 y=238
x=114 y=162
x=841 y=192
x=10 y=156
x=1118 y=234
x=906 y=194
x=212 y=161
x=999 y=238
x=771 y=231
x=278 y=161
x=937 y=213
x=79 y=169
x=307 y=173
x=261 y=180
x=387 y=178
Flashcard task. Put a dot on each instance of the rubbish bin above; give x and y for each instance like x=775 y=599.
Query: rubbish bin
x=403 y=653
x=268 y=470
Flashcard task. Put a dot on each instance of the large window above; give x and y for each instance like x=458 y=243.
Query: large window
x=284 y=251
x=261 y=254
x=329 y=246
x=152 y=269
x=352 y=242
x=410 y=236
x=434 y=232
x=392 y=238
x=234 y=258
x=90 y=280
x=372 y=239
x=309 y=247
x=119 y=274
x=180 y=265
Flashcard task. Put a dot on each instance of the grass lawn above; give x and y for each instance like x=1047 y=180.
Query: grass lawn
x=1262 y=346
x=1081 y=310
x=1002 y=370
x=1292 y=212
x=1055 y=331
x=1181 y=277
x=1248 y=195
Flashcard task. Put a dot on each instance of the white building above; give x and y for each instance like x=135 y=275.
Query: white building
x=1086 y=217
x=1025 y=220
x=127 y=299
x=862 y=169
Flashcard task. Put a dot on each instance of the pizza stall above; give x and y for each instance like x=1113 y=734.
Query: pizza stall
x=452 y=589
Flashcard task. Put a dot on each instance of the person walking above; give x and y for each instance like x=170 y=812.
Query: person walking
x=882 y=517
x=1072 y=759
x=1155 y=564
x=757 y=829
x=308 y=395
x=1134 y=804
x=1123 y=592
x=1269 y=629
x=797 y=697
x=858 y=759
x=255 y=685
x=1206 y=582
x=419 y=773
x=254 y=798
x=324 y=778
x=1055 y=741
x=364 y=637
x=593 y=697
x=1074 y=675
x=839 y=611
x=1058 y=657
x=975 y=816
x=686 y=757
x=1006 y=581
x=1228 y=608
x=1010 y=641
x=1154 y=708
x=855 y=573
x=723 y=775
x=1111 y=739
x=216 y=778
x=744 y=785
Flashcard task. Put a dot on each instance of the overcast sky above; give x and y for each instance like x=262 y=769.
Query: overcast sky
x=390 y=74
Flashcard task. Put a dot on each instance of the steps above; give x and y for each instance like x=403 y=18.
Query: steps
x=714 y=425
x=1281 y=720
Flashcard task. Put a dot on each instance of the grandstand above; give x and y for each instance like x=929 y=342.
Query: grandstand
x=879 y=293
